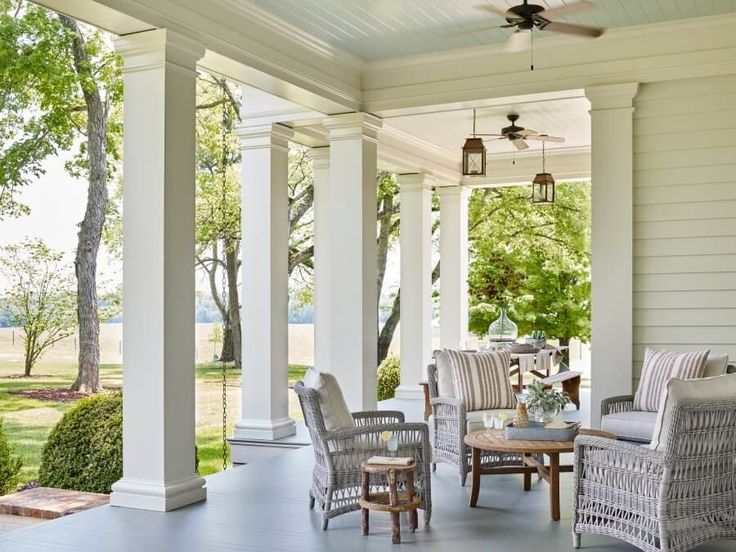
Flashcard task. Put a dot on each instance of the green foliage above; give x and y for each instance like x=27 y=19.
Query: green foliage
x=40 y=294
x=545 y=399
x=533 y=259
x=10 y=464
x=84 y=451
x=389 y=377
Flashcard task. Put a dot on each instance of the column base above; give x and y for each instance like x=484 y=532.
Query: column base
x=410 y=392
x=265 y=430
x=143 y=494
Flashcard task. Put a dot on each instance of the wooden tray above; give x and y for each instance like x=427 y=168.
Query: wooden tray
x=537 y=432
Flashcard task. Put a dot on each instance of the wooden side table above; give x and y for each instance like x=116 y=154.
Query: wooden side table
x=394 y=501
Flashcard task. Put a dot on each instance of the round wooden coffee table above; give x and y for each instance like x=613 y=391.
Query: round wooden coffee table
x=495 y=441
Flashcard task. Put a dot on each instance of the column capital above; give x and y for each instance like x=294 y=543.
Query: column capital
x=452 y=191
x=349 y=126
x=264 y=136
x=320 y=157
x=612 y=96
x=151 y=49
x=416 y=181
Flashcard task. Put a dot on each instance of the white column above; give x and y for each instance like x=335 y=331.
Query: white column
x=265 y=295
x=322 y=196
x=612 y=241
x=158 y=266
x=415 y=194
x=353 y=309
x=453 y=266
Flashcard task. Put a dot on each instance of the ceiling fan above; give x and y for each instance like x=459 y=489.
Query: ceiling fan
x=518 y=135
x=526 y=18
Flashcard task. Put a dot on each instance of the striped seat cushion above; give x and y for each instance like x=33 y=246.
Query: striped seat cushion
x=659 y=368
x=481 y=380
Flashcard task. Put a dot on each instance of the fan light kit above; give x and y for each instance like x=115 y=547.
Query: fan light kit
x=474 y=154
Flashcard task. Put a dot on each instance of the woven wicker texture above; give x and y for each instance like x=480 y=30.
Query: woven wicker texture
x=669 y=500
x=337 y=477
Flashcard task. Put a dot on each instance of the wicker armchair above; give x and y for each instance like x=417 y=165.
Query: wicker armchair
x=336 y=478
x=669 y=498
x=449 y=426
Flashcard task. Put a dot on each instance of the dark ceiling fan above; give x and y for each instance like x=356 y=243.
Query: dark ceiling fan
x=518 y=135
x=526 y=18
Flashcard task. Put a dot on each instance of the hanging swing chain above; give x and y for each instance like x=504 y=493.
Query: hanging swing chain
x=225 y=298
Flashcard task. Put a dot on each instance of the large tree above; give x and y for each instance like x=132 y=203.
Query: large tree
x=61 y=86
x=40 y=296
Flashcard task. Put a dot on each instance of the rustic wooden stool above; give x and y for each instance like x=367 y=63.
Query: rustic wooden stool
x=393 y=501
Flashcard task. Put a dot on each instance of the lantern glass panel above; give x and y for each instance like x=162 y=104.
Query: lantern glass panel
x=474 y=157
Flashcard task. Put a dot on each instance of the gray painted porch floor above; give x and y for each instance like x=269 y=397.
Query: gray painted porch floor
x=263 y=507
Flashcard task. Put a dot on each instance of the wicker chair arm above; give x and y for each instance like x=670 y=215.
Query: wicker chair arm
x=612 y=405
x=373 y=417
x=448 y=404
x=402 y=430
x=620 y=456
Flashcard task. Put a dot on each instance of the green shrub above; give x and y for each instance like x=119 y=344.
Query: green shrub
x=389 y=377
x=10 y=464
x=84 y=451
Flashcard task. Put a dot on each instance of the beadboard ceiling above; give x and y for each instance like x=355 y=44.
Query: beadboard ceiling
x=379 y=29
x=567 y=117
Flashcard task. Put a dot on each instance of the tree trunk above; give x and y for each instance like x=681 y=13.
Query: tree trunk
x=90 y=230
x=385 y=216
x=231 y=265
x=387 y=332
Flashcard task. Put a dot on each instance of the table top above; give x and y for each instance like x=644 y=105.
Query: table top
x=495 y=440
x=383 y=468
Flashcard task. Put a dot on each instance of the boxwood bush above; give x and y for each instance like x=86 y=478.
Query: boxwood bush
x=10 y=464
x=84 y=451
x=389 y=377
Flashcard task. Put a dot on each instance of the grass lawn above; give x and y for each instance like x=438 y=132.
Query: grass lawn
x=28 y=421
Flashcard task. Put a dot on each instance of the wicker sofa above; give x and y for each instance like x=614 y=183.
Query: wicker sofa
x=677 y=492
x=618 y=415
x=450 y=421
x=338 y=454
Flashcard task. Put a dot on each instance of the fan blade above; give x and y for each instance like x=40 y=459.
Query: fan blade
x=520 y=144
x=491 y=8
x=545 y=138
x=527 y=132
x=486 y=134
x=568 y=9
x=567 y=28
x=518 y=42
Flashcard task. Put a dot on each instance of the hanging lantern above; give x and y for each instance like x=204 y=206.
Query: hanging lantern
x=474 y=155
x=543 y=185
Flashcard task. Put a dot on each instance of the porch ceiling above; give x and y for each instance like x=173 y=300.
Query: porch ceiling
x=389 y=28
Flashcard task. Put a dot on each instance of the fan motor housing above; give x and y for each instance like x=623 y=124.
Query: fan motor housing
x=523 y=15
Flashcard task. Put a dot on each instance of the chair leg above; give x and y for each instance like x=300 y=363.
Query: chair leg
x=576 y=540
x=311 y=501
x=434 y=467
x=325 y=522
x=463 y=477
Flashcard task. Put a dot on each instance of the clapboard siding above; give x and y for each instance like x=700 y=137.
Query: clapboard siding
x=684 y=264
x=685 y=217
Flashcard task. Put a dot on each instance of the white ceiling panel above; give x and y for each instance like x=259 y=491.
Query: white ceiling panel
x=379 y=29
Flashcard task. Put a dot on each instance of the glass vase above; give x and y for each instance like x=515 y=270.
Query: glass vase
x=503 y=329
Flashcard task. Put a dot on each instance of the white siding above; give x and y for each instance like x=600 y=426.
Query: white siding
x=685 y=216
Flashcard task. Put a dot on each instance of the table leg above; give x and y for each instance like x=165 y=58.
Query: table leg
x=364 y=512
x=527 y=477
x=554 y=485
x=475 y=485
x=393 y=500
x=413 y=516
x=521 y=380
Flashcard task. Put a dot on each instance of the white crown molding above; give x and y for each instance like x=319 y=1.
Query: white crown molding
x=150 y=49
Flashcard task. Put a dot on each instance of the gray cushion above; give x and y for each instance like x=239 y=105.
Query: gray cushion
x=704 y=390
x=445 y=386
x=335 y=411
x=634 y=425
x=715 y=365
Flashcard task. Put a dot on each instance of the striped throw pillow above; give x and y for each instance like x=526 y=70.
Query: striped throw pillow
x=659 y=368
x=481 y=380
